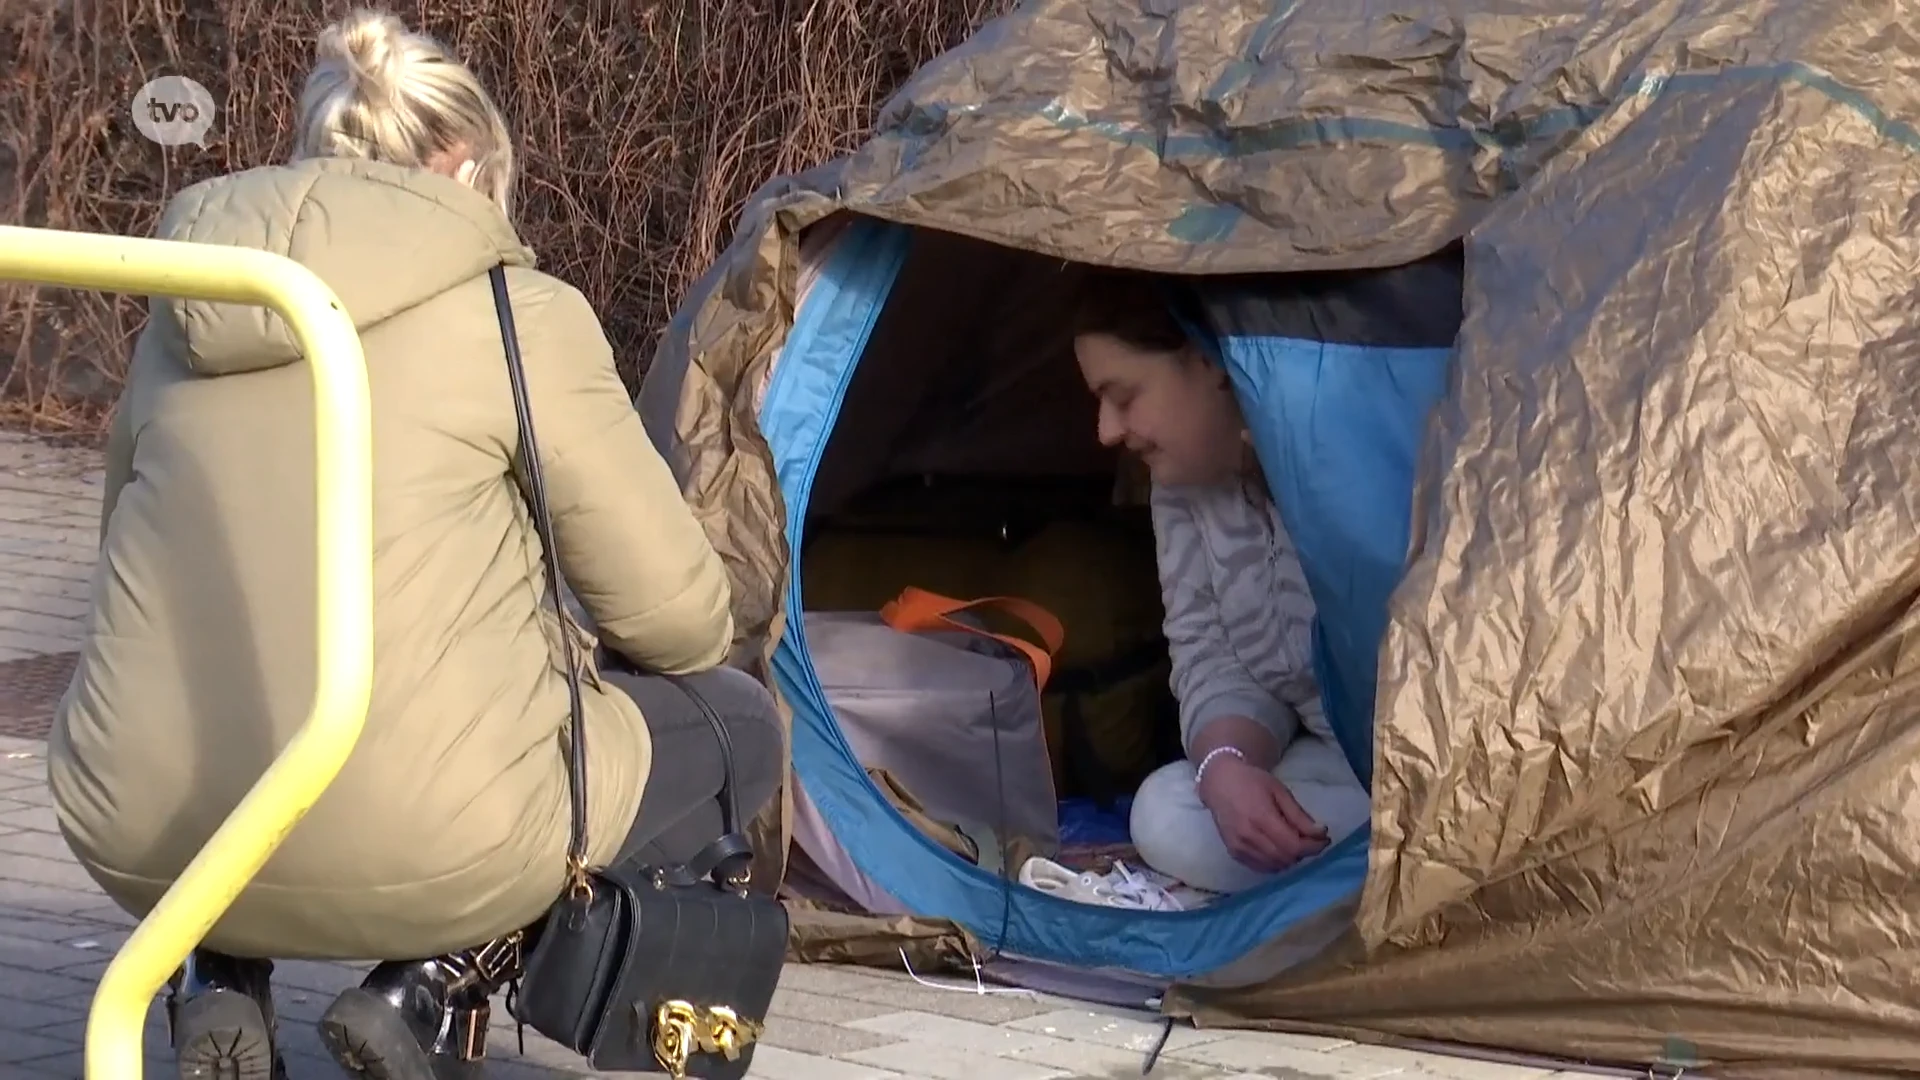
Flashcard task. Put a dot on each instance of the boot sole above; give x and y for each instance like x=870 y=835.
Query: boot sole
x=223 y=1036
x=368 y=1039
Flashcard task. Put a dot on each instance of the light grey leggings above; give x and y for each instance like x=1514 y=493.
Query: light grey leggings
x=1175 y=833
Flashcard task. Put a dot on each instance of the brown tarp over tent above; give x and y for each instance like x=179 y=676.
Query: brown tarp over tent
x=1647 y=771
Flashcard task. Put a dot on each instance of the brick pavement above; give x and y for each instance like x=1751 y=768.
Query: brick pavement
x=57 y=932
x=49 y=521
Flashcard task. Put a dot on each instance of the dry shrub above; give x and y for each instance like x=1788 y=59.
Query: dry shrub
x=645 y=125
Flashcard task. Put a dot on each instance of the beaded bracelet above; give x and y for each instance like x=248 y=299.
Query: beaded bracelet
x=1201 y=772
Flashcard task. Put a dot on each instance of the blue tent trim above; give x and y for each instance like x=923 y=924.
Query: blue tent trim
x=797 y=418
x=1337 y=429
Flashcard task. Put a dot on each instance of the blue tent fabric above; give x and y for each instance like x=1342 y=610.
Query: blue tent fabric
x=1337 y=374
x=1296 y=380
x=1337 y=430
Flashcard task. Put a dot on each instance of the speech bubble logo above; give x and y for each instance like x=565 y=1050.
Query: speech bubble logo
x=173 y=110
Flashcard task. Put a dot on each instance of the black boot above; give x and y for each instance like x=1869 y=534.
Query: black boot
x=420 y=1019
x=220 y=1017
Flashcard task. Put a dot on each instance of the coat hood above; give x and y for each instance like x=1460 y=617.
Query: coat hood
x=383 y=237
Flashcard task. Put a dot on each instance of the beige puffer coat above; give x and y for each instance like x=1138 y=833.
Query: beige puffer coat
x=449 y=824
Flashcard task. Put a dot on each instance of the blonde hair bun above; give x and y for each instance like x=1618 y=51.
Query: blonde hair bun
x=381 y=92
x=371 y=48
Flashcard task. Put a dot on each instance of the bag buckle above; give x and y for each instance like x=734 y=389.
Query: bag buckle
x=727 y=1033
x=499 y=961
x=673 y=1035
x=494 y=963
x=470 y=1029
x=680 y=1030
x=579 y=881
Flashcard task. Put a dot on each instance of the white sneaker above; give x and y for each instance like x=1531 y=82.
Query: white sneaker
x=1120 y=887
x=1185 y=896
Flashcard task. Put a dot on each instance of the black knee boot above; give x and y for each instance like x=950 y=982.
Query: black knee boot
x=221 y=1020
x=420 y=1019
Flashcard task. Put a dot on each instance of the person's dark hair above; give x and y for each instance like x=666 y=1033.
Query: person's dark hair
x=1128 y=305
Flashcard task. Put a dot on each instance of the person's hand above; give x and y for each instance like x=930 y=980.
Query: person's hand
x=1264 y=828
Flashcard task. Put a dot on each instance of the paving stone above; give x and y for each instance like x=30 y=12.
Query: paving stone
x=86 y=518
x=1271 y=1054
x=40 y=898
x=824 y=1038
x=57 y=874
x=54 y=928
x=104 y=916
x=33 y=842
x=498 y=1069
x=302 y=1067
x=48 y=550
x=1418 y=1065
x=304 y=1040
x=32 y=955
x=900 y=992
x=299 y=1006
x=60 y=577
x=503 y=1043
x=71 y=1066
x=91 y=971
x=13 y=508
x=318 y=976
x=38 y=644
x=775 y=1063
x=19 y=1047
x=1094 y=1059
x=25 y=984
x=1113 y=1029
x=37 y=625
x=72 y=1031
x=812 y=1006
x=12 y=782
x=42 y=528
x=40 y=818
x=827 y=980
x=70 y=610
x=917 y=1059
x=32 y=1016
x=952 y=1031
x=1307 y=1072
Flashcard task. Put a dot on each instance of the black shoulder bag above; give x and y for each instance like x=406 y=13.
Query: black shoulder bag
x=644 y=969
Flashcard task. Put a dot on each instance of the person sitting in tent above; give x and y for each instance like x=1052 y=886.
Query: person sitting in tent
x=1264 y=784
x=448 y=828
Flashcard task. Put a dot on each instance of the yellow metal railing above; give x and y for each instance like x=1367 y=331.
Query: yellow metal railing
x=343 y=430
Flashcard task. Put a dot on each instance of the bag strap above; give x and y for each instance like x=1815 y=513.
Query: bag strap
x=536 y=495
x=728 y=861
x=917 y=610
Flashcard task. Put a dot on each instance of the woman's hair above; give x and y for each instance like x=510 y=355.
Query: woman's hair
x=1128 y=305
x=381 y=92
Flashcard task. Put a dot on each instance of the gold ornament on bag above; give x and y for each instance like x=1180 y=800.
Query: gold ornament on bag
x=680 y=1030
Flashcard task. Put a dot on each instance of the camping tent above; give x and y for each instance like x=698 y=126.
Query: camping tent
x=1632 y=562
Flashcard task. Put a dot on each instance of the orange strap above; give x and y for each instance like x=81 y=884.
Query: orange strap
x=916 y=610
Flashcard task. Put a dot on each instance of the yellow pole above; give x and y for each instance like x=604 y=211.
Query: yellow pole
x=315 y=755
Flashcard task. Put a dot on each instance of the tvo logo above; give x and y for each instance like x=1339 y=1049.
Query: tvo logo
x=173 y=110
